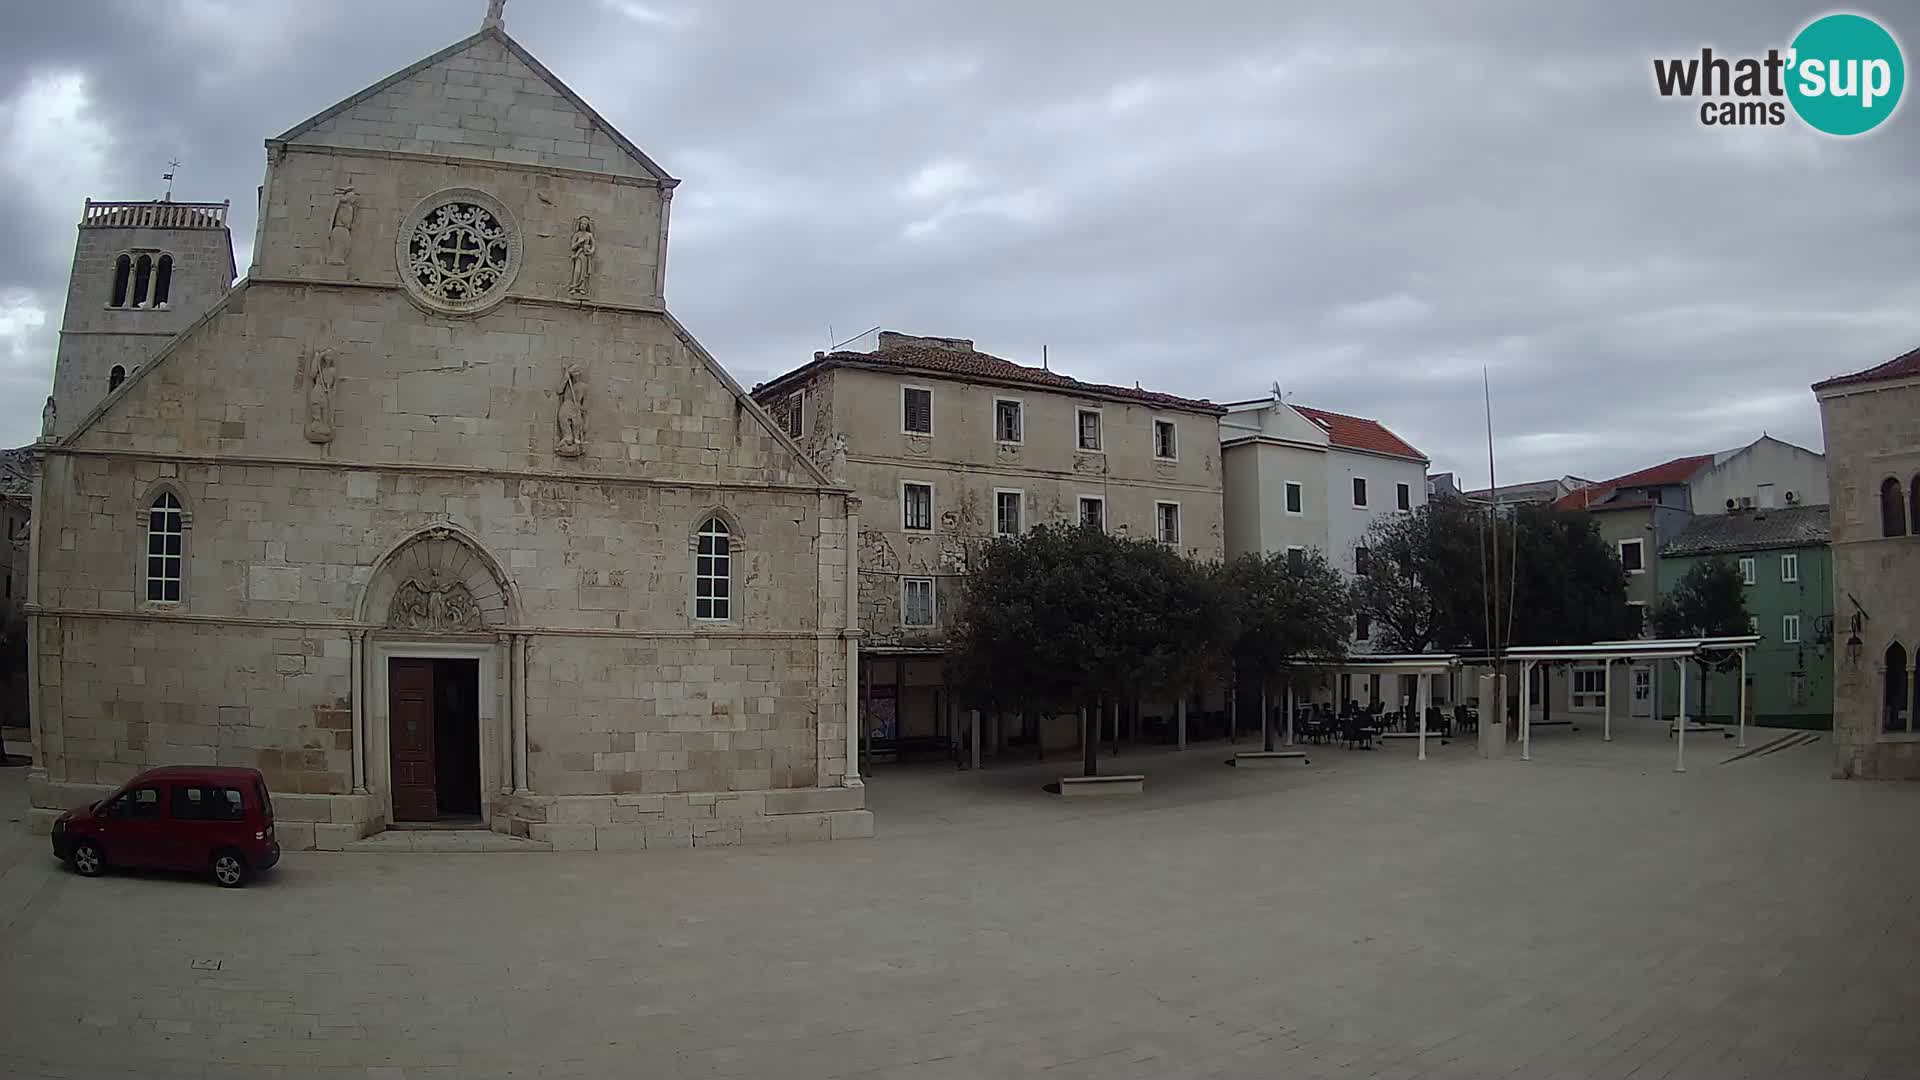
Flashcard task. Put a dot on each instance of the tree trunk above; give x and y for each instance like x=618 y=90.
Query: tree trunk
x=1546 y=694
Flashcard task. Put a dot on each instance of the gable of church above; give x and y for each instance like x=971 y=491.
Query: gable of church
x=483 y=97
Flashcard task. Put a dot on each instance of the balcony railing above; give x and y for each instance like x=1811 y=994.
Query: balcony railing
x=158 y=214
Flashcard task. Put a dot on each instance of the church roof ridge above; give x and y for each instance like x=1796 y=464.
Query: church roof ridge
x=652 y=167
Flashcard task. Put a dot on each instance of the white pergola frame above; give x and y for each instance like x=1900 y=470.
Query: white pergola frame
x=1679 y=650
x=1391 y=663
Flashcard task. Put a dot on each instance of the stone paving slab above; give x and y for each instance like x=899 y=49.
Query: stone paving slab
x=1589 y=914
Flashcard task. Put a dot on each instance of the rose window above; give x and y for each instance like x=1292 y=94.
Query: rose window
x=459 y=252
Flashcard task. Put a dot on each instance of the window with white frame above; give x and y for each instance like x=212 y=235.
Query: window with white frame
x=1636 y=618
x=916 y=601
x=1633 y=556
x=1403 y=496
x=1296 y=498
x=1006 y=512
x=1359 y=491
x=1009 y=420
x=713 y=572
x=916 y=410
x=1748 y=574
x=1362 y=562
x=1362 y=627
x=1167 y=518
x=916 y=506
x=1087 y=425
x=1789 y=568
x=1790 y=629
x=1166 y=444
x=1588 y=688
x=1296 y=559
x=795 y=419
x=166 y=536
x=1093 y=512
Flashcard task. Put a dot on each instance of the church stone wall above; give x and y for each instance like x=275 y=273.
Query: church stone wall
x=304 y=189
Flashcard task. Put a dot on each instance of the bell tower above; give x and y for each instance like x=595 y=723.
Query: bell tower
x=142 y=272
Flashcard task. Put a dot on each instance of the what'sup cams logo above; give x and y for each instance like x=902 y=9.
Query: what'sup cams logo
x=1842 y=75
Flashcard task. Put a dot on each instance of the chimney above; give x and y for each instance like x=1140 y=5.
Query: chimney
x=890 y=339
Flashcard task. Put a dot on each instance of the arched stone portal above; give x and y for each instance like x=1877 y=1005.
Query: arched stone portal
x=439 y=675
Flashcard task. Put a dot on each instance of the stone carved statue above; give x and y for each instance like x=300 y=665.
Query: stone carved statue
x=48 y=415
x=839 y=467
x=570 y=420
x=582 y=258
x=496 y=14
x=433 y=607
x=320 y=382
x=340 y=234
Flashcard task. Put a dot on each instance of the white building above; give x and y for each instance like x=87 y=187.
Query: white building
x=1303 y=478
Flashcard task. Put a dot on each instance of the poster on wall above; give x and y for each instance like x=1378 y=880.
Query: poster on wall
x=882 y=713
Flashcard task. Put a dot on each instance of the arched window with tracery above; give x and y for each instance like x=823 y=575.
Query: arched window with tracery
x=1893 y=508
x=166 y=537
x=1899 y=717
x=122 y=277
x=163 y=281
x=142 y=280
x=713 y=571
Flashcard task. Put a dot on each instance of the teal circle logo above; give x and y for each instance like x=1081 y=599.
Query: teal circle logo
x=1845 y=74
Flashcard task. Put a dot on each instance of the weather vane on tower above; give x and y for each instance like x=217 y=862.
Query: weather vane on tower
x=172 y=167
x=496 y=15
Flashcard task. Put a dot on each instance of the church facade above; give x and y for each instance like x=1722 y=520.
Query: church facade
x=441 y=516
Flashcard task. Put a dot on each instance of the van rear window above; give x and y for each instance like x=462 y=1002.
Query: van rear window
x=266 y=804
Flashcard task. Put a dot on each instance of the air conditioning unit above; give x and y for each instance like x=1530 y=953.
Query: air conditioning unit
x=1731 y=504
x=1746 y=502
x=1792 y=497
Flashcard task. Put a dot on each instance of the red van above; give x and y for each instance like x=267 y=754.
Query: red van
x=180 y=817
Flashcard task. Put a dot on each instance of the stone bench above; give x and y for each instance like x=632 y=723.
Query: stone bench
x=1084 y=786
x=1268 y=759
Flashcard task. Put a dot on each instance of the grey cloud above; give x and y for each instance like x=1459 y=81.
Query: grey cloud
x=1366 y=203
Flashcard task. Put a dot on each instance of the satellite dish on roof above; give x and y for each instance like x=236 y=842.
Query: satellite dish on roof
x=1277 y=395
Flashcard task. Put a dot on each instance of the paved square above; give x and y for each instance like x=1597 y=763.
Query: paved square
x=1590 y=914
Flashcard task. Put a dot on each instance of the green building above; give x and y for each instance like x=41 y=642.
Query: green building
x=1783 y=555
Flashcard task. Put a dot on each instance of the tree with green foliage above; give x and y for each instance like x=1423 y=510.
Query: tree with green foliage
x=1285 y=609
x=1709 y=600
x=1063 y=618
x=1396 y=593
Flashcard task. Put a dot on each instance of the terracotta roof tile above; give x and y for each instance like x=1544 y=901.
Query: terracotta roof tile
x=1359 y=433
x=1677 y=471
x=970 y=364
x=1904 y=366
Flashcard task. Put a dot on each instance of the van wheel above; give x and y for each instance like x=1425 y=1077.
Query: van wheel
x=229 y=869
x=86 y=859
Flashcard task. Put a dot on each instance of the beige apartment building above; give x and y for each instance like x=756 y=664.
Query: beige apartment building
x=946 y=446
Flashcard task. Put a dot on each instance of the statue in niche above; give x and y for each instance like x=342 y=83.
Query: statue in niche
x=570 y=420
x=839 y=459
x=340 y=234
x=582 y=258
x=320 y=382
x=48 y=416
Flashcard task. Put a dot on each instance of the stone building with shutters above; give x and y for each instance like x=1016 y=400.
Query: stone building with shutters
x=1872 y=424
x=948 y=446
x=440 y=515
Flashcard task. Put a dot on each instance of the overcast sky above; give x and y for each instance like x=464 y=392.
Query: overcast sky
x=1364 y=202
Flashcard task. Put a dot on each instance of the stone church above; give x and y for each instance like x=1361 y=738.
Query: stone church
x=439 y=516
